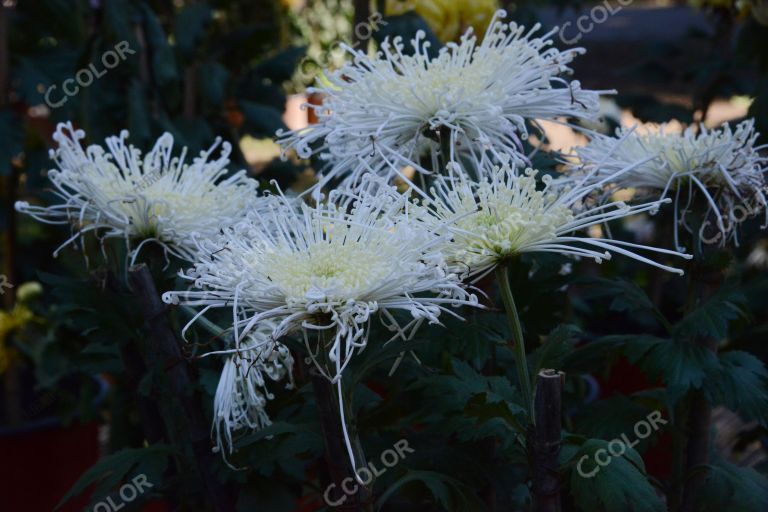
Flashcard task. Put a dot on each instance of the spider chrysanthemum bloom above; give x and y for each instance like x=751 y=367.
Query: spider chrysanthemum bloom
x=383 y=112
x=722 y=167
x=156 y=197
x=508 y=213
x=327 y=268
x=324 y=272
x=242 y=394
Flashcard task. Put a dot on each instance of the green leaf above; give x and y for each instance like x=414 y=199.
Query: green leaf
x=138 y=114
x=213 y=78
x=280 y=67
x=189 y=25
x=447 y=491
x=621 y=485
x=554 y=349
x=592 y=355
x=627 y=296
x=616 y=415
x=114 y=469
x=118 y=17
x=163 y=61
x=261 y=120
x=712 y=317
x=729 y=487
x=406 y=26
x=477 y=396
x=740 y=382
x=681 y=365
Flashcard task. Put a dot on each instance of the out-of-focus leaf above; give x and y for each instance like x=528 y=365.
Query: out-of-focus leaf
x=213 y=78
x=280 y=67
x=11 y=139
x=406 y=26
x=138 y=115
x=261 y=120
x=163 y=61
x=189 y=25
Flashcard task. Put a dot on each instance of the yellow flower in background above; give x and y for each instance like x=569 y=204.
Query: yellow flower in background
x=29 y=291
x=16 y=319
x=448 y=19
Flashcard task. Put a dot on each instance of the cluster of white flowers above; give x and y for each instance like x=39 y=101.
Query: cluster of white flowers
x=322 y=272
x=722 y=166
x=155 y=198
x=382 y=113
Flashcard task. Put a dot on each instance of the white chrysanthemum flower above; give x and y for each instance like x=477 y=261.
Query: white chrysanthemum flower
x=157 y=197
x=391 y=110
x=326 y=269
x=722 y=166
x=329 y=267
x=506 y=214
x=242 y=394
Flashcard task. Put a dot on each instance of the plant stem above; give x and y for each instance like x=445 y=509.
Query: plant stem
x=336 y=455
x=521 y=362
x=164 y=351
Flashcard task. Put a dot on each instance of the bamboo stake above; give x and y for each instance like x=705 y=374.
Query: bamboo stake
x=547 y=407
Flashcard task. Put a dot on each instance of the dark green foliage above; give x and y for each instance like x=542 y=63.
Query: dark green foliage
x=729 y=487
x=619 y=486
x=120 y=468
x=203 y=70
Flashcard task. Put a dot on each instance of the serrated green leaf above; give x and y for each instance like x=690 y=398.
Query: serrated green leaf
x=681 y=365
x=712 y=317
x=740 y=382
x=619 y=486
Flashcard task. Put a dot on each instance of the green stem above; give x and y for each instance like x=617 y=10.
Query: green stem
x=521 y=362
